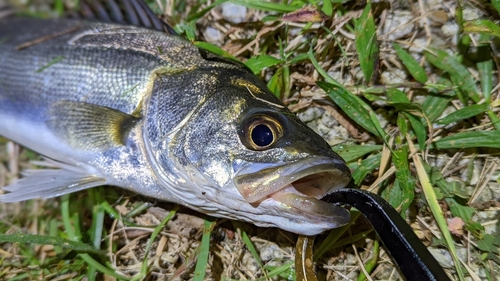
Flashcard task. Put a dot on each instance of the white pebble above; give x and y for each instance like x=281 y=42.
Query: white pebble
x=310 y=114
x=212 y=35
x=234 y=13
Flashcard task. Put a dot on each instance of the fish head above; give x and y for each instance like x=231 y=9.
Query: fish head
x=239 y=153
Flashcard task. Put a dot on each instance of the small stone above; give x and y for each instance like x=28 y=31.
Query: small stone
x=418 y=45
x=470 y=13
x=450 y=29
x=212 y=35
x=350 y=259
x=328 y=120
x=443 y=257
x=393 y=76
x=234 y=13
x=310 y=114
x=322 y=129
x=249 y=262
x=337 y=135
x=383 y=117
x=398 y=25
x=272 y=251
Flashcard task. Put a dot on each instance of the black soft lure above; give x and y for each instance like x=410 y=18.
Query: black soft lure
x=407 y=251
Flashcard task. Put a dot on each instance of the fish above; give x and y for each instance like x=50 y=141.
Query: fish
x=140 y=109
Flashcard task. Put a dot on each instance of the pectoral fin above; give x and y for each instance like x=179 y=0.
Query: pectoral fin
x=86 y=126
x=47 y=183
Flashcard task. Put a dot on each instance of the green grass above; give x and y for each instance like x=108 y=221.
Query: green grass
x=445 y=108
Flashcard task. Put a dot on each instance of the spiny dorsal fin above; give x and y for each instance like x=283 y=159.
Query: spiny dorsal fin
x=88 y=126
x=47 y=183
x=134 y=12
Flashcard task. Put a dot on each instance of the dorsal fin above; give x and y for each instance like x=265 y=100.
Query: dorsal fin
x=133 y=12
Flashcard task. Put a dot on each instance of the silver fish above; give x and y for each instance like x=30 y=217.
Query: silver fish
x=135 y=108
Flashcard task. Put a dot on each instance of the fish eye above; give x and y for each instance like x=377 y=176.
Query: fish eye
x=261 y=132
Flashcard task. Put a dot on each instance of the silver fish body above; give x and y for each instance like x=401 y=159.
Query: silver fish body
x=142 y=110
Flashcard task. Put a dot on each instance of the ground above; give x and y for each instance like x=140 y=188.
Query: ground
x=409 y=98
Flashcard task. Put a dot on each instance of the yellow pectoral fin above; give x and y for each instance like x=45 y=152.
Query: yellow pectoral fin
x=88 y=126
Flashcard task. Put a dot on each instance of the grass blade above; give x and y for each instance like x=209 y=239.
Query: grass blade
x=403 y=174
x=354 y=152
x=259 y=63
x=366 y=167
x=485 y=27
x=411 y=64
x=463 y=113
x=460 y=76
x=50 y=240
x=202 y=262
x=354 y=107
x=431 y=199
x=266 y=6
x=470 y=139
x=366 y=43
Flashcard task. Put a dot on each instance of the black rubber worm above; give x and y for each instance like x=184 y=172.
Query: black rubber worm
x=407 y=251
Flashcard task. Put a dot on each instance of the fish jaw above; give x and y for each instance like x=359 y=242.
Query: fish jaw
x=292 y=192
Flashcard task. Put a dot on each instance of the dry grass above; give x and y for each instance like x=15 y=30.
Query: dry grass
x=470 y=174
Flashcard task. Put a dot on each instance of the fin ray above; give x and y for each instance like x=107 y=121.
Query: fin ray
x=135 y=12
x=48 y=183
x=88 y=126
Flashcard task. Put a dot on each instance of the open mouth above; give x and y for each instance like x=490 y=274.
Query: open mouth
x=297 y=187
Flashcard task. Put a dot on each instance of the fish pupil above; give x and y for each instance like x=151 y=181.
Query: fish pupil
x=262 y=135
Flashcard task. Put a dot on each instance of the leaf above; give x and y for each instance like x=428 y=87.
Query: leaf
x=419 y=129
x=485 y=27
x=403 y=174
x=198 y=15
x=459 y=74
x=285 y=271
x=485 y=68
x=437 y=213
x=402 y=125
x=275 y=84
x=366 y=43
x=50 y=240
x=434 y=105
x=261 y=62
x=411 y=64
x=476 y=228
x=202 y=261
x=366 y=167
x=496 y=4
x=392 y=194
x=354 y=152
x=463 y=113
x=327 y=8
x=354 y=107
x=266 y=5
x=214 y=49
x=372 y=262
x=397 y=96
x=470 y=139
x=487 y=244
x=458 y=210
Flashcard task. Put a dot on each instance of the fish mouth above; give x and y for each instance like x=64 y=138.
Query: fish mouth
x=297 y=187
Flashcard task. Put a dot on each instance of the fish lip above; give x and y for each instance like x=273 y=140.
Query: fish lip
x=297 y=188
x=325 y=173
